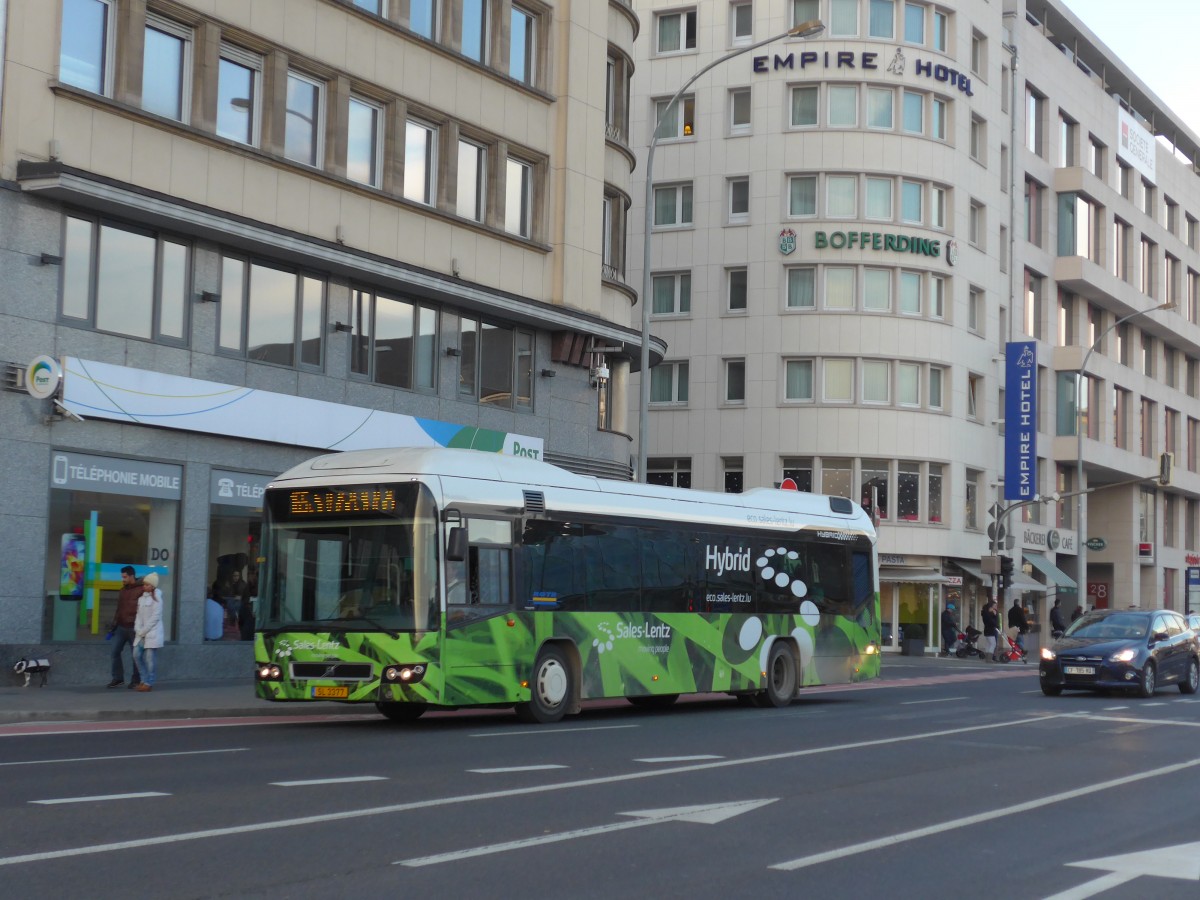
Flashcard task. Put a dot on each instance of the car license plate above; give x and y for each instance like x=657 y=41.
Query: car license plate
x=330 y=693
x=1078 y=670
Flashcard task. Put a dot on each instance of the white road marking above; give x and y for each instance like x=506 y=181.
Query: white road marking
x=937 y=700
x=621 y=778
x=350 y=779
x=710 y=814
x=538 y=732
x=1180 y=861
x=505 y=769
x=1114 y=708
x=977 y=819
x=1094 y=887
x=99 y=798
x=675 y=759
x=43 y=762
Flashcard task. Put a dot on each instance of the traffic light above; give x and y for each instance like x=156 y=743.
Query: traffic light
x=1006 y=572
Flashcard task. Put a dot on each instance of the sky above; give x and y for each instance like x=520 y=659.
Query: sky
x=1156 y=39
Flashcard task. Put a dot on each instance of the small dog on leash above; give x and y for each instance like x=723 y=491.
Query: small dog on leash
x=31 y=667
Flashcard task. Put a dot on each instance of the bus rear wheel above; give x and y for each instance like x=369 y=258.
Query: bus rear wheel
x=402 y=712
x=781 y=677
x=550 y=689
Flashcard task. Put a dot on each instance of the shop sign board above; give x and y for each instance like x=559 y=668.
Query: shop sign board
x=107 y=475
x=237 y=488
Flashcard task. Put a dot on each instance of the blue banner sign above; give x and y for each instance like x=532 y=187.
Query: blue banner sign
x=1020 y=421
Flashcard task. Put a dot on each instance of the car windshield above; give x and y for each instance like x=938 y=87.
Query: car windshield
x=1112 y=627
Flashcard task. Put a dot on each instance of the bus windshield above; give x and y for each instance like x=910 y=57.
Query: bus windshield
x=351 y=558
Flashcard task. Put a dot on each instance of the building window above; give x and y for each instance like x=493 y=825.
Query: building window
x=672 y=293
x=843 y=18
x=676 y=31
x=914 y=113
x=673 y=205
x=882 y=19
x=1077 y=223
x=1095 y=157
x=304 y=123
x=1120 y=417
x=85 y=57
x=879 y=198
x=873 y=497
x=937 y=376
x=978 y=54
x=135 y=283
x=843 y=105
x=1035 y=103
x=166 y=69
x=1033 y=212
x=802 y=195
x=739 y=200
x=910 y=293
x=975 y=310
x=803 y=11
x=669 y=472
x=837 y=477
x=741 y=24
x=801 y=288
x=495 y=365
x=914 y=23
x=838 y=381
x=518 y=198
x=364 y=142
x=1149 y=257
x=1032 y=321
x=1068 y=137
x=1120 y=249
x=841 y=196
x=941 y=31
x=372 y=6
x=975 y=397
x=271 y=315
x=805 y=107
x=800 y=470
x=934 y=501
x=420 y=154
x=522 y=45
x=669 y=383
x=614 y=232
x=938 y=125
x=839 y=287
x=976 y=226
x=736 y=289
x=394 y=341
x=472 y=184
x=877 y=290
x=880 y=108
x=1148 y=421
x=911 y=202
x=971 y=492
x=473 y=37
x=422 y=18
x=937 y=297
x=733 y=474
x=876 y=381
x=908 y=384
x=239 y=101
x=739 y=111
x=937 y=207
x=908 y=491
x=978 y=139
x=735 y=381
x=678 y=120
x=798 y=380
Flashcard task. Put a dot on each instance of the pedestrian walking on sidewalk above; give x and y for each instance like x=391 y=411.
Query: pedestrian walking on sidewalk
x=148 y=630
x=991 y=629
x=949 y=629
x=121 y=628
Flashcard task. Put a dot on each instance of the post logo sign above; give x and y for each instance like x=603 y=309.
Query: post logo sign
x=42 y=377
x=1020 y=421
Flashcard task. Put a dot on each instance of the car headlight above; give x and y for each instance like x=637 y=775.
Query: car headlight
x=1124 y=655
x=1047 y=653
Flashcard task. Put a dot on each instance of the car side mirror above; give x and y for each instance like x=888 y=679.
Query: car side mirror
x=1159 y=636
x=456 y=544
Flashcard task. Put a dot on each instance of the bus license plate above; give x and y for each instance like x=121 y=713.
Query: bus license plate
x=330 y=693
x=1078 y=670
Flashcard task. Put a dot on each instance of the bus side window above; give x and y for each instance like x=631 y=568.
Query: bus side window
x=480 y=584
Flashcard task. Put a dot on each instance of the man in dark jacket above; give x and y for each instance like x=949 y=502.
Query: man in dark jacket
x=1057 y=625
x=122 y=627
x=1018 y=620
x=991 y=629
x=949 y=629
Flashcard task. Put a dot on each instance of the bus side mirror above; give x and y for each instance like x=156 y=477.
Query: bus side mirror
x=456 y=545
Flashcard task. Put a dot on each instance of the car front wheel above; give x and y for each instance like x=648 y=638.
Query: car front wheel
x=1148 y=683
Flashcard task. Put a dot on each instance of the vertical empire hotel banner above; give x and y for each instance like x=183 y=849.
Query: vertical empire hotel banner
x=1020 y=421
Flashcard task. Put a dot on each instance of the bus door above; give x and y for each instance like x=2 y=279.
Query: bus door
x=479 y=598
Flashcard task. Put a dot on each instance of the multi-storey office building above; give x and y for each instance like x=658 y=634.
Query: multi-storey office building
x=251 y=232
x=849 y=230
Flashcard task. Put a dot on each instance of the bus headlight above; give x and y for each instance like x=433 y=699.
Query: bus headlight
x=404 y=674
x=269 y=672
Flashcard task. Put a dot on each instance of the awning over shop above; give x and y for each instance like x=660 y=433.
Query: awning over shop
x=1021 y=581
x=1052 y=572
x=911 y=574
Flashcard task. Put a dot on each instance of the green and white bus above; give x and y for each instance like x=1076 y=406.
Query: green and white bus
x=419 y=579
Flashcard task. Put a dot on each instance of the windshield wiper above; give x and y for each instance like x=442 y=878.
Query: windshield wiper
x=392 y=633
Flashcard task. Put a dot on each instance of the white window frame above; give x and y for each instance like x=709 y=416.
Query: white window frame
x=736 y=127
x=874 y=93
x=316 y=128
x=253 y=62
x=375 y=175
x=679 y=189
x=479 y=186
x=730 y=272
x=845 y=368
x=485 y=28
x=876 y=278
x=852 y=212
x=840 y=90
x=684 y=113
x=682 y=15
x=810 y=90
x=737 y=216
x=727 y=381
x=675 y=368
x=736 y=38
x=519 y=223
x=879 y=182
x=678 y=280
x=531 y=49
x=808 y=364
x=877 y=366
x=188 y=37
x=109 y=41
x=811 y=274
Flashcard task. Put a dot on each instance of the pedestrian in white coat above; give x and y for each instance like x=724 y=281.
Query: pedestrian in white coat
x=148 y=630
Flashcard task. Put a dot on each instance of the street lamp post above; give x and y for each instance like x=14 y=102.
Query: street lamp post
x=803 y=30
x=1081 y=499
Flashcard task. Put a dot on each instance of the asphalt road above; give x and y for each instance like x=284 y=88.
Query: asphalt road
x=944 y=780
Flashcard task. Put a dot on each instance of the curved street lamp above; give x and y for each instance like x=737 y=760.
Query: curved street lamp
x=1081 y=500
x=803 y=30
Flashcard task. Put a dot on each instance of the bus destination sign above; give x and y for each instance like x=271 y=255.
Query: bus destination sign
x=367 y=500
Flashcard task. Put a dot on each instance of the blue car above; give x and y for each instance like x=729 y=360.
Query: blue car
x=1136 y=649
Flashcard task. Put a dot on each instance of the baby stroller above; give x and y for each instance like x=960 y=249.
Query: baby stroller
x=967 y=645
x=1008 y=650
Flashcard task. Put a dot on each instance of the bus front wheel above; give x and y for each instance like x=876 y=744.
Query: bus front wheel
x=781 y=677
x=550 y=689
x=401 y=712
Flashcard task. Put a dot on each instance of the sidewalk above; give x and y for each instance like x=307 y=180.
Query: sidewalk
x=170 y=700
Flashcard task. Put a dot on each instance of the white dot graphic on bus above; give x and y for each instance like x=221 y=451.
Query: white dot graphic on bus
x=603 y=643
x=768 y=571
x=750 y=634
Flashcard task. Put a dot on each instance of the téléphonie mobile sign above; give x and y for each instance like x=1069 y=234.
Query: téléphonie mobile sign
x=1020 y=421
